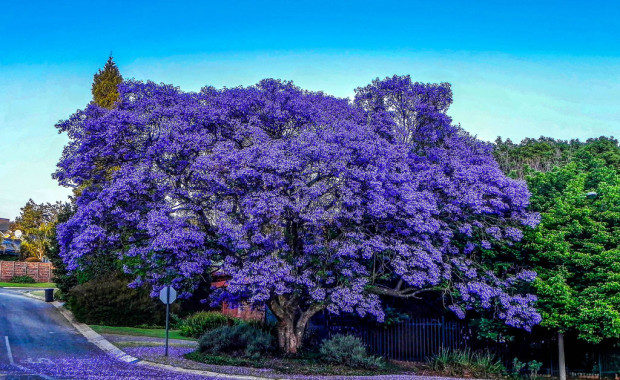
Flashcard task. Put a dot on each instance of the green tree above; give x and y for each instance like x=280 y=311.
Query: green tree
x=37 y=223
x=105 y=94
x=542 y=154
x=105 y=84
x=576 y=248
x=63 y=279
x=545 y=153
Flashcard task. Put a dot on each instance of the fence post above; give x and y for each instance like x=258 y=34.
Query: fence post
x=600 y=365
x=443 y=332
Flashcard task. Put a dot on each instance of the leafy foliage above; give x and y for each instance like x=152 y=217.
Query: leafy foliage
x=63 y=279
x=306 y=201
x=544 y=154
x=37 y=222
x=22 y=280
x=533 y=367
x=105 y=85
x=576 y=249
x=198 y=323
x=241 y=338
x=467 y=363
x=350 y=351
x=107 y=300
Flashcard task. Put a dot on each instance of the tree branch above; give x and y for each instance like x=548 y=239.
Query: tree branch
x=400 y=293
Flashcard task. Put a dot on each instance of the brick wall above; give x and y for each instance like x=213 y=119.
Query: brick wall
x=244 y=311
x=41 y=272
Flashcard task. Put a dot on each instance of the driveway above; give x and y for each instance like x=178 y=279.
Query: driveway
x=37 y=342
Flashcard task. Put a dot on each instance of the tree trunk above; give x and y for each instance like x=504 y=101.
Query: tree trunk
x=292 y=323
x=561 y=360
x=287 y=339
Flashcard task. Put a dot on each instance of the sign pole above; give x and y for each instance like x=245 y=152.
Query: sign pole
x=167 y=295
x=167 y=316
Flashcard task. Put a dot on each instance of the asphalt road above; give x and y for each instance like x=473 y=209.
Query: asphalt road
x=37 y=342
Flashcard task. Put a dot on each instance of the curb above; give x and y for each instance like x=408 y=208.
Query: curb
x=94 y=337
x=115 y=352
x=28 y=294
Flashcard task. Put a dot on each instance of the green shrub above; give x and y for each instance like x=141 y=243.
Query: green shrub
x=8 y=257
x=23 y=280
x=467 y=363
x=198 y=323
x=534 y=366
x=350 y=351
x=517 y=367
x=108 y=301
x=269 y=327
x=59 y=295
x=239 y=339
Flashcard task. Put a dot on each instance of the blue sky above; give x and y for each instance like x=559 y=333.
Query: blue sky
x=518 y=69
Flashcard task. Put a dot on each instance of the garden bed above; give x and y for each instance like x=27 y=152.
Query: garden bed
x=305 y=364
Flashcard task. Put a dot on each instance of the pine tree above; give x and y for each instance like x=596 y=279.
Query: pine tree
x=105 y=84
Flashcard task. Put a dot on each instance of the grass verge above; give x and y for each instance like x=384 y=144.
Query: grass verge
x=35 y=285
x=155 y=333
x=38 y=293
x=306 y=364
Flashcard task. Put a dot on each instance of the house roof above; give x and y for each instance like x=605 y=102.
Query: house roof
x=5 y=224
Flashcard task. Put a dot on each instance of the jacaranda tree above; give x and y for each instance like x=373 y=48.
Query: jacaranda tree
x=307 y=202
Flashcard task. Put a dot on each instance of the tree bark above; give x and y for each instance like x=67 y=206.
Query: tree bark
x=287 y=339
x=292 y=323
x=561 y=360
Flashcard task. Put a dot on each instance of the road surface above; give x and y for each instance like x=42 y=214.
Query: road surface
x=37 y=342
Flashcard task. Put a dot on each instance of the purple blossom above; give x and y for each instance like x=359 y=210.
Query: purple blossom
x=296 y=195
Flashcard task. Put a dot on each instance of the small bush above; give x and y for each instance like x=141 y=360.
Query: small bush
x=59 y=295
x=467 y=363
x=534 y=366
x=8 y=257
x=350 y=351
x=23 y=280
x=240 y=339
x=198 y=323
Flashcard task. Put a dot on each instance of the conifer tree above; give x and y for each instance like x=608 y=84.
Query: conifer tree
x=105 y=84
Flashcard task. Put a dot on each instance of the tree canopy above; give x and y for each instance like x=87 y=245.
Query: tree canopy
x=306 y=201
x=545 y=153
x=576 y=248
x=37 y=223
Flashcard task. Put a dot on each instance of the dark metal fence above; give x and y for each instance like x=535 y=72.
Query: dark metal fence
x=413 y=339
x=417 y=339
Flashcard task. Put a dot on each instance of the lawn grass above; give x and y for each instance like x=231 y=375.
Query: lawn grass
x=20 y=285
x=156 y=333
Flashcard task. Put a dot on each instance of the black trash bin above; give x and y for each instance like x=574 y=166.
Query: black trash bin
x=49 y=295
